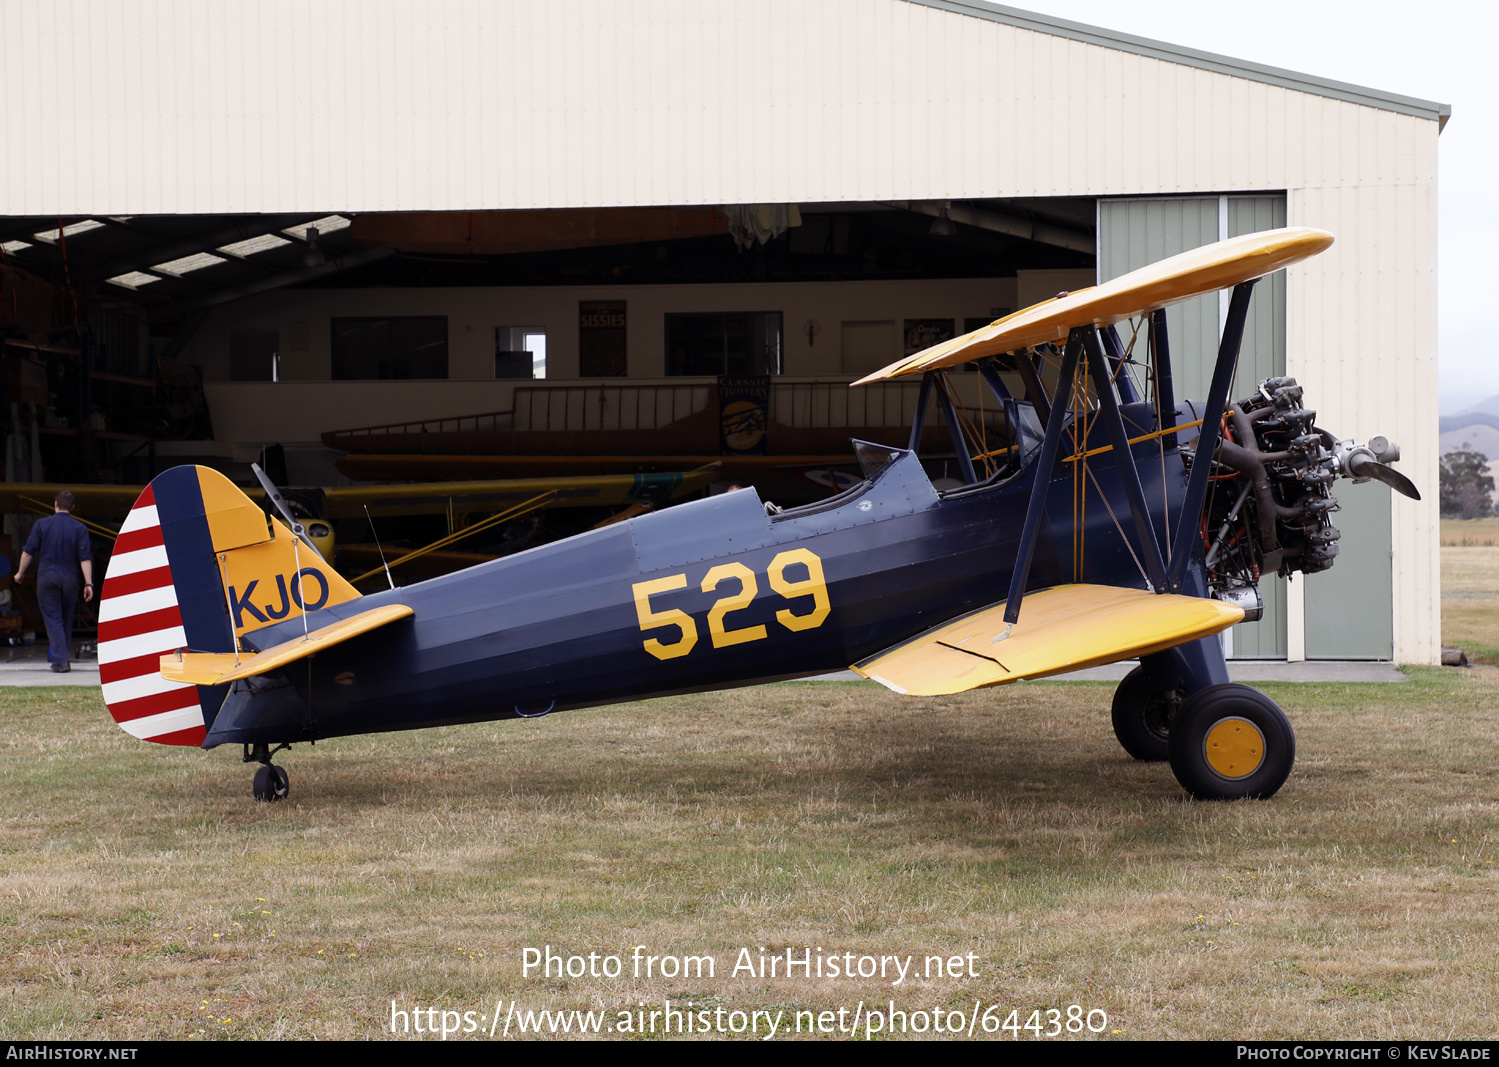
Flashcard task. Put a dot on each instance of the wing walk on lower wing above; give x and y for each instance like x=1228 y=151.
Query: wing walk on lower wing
x=1065 y=628
x=217 y=668
x=1200 y=270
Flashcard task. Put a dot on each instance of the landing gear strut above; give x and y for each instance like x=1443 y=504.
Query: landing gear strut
x=271 y=782
x=1224 y=742
x=1143 y=714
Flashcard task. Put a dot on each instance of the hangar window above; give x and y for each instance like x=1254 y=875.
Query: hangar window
x=51 y=237
x=250 y=245
x=731 y=342
x=134 y=279
x=520 y=352
x=188 y=264
x=408 y=346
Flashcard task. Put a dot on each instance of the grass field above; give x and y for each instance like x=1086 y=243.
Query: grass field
x=1470 y=587
x=143 y=894
x=1470 y=532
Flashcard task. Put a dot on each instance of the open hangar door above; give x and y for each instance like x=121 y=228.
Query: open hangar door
x=1348 y=609
x=228 y=327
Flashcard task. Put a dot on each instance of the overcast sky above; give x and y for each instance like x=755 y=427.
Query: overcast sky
x=1442 y=50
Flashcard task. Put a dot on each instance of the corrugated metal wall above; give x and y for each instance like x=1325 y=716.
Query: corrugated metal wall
x=362 y=105
x=177 y=106
x=1132 y=233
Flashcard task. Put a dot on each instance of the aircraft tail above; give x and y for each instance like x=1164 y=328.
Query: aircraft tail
x=197 y=565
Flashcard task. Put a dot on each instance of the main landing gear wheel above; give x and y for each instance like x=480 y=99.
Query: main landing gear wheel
x=1231 y=742
x=1143 y=716
x=271 y=783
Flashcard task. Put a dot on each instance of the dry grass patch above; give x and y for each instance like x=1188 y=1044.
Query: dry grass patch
x=143 y=893
x=1471 y=622
x=1470 y=532
x=1470 y=596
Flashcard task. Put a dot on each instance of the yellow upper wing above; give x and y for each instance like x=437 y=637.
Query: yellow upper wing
x=1062 y=629
x=1202 y=270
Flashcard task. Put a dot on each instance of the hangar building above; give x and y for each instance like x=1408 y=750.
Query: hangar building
x=304 y=207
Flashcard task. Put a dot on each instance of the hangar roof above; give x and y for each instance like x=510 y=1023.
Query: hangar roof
x=181 y=264
x=1192 y=57
x=176 y=266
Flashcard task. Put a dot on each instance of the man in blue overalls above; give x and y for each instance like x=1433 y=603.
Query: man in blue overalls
x=60 y=543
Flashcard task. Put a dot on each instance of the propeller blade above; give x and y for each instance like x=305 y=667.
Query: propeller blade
x=276 y=498
x=1363 y=467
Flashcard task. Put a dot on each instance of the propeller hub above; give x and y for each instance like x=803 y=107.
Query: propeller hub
x=1372 y=461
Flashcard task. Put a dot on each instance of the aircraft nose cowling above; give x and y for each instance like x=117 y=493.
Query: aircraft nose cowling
x=272 y=715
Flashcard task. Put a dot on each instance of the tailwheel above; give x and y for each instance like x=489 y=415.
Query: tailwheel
x=1143 y=715
x=271 y=783
x=1231 y=742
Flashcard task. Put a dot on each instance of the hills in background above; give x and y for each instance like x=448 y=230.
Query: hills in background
x=1451 y=425
x=1473 y=437
x=1475 y=430
x=1483 y=407
x=1479 y=425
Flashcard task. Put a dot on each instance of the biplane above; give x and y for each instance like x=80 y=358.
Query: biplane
x=1112 y=522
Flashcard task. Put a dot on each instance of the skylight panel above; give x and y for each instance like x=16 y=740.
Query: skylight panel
x=187 y=264
x=134 y=280
x=326 y=224
x=248 y=247
x=71 y=229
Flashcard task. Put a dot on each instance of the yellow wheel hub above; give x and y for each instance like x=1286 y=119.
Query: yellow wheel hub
x=1234 y=747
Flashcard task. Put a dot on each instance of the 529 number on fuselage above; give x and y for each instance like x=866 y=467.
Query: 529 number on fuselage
x=811 y=588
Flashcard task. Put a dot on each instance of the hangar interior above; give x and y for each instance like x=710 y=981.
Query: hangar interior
x=209 y=339
x=141 y=332
x=301 y=302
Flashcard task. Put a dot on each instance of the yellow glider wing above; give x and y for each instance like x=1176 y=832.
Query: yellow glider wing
x=1063 y=629
x=1202 y=270
x=433 y=498
x=35 y=498
x=610 y=490
x=217 y=668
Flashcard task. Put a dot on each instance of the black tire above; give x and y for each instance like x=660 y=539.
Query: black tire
x=271 y=783
x=1143 y=716
x=1231 y=742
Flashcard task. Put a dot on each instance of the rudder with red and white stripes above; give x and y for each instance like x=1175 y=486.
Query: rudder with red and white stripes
x=140 y=620
x=198 y=566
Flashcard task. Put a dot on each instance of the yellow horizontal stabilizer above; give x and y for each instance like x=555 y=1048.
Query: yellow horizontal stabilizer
x=1201 y=270
x=217 y=668
x=1062 y=629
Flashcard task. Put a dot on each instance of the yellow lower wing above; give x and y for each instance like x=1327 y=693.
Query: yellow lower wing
x=217 y=668
x=1062 y=629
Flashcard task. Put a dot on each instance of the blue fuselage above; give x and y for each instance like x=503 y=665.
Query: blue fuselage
x=705 y=595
